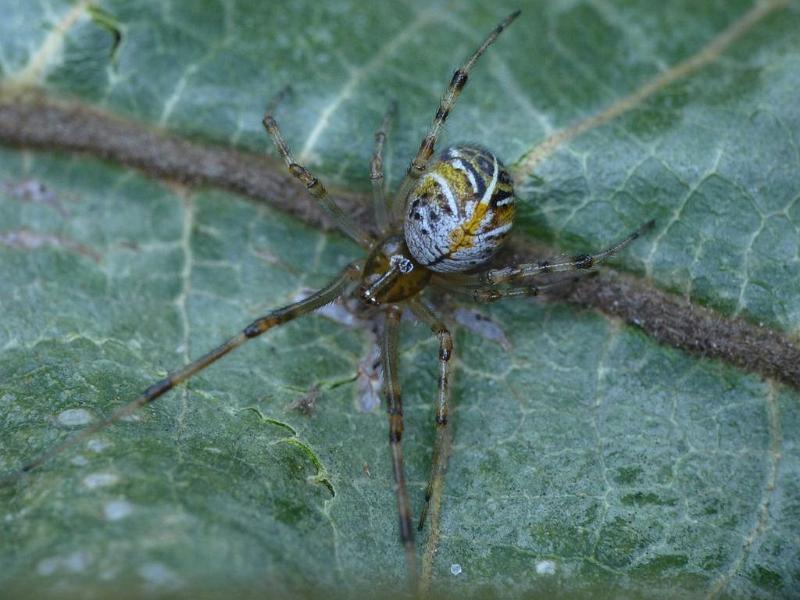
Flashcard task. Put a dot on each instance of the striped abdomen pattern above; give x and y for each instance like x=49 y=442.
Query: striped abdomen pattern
x=460 y=211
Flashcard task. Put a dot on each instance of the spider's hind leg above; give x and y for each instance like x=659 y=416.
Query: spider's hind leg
x=441 y=445
x=494 y=293
x=518 y=273
x=394 y=407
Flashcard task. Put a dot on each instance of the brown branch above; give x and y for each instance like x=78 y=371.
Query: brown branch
x=32 y=120
x=38 y=122
x=692 y=328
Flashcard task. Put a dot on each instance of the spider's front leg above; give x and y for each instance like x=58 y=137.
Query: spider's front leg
x=269 y=321
x=380 y=200
x=314 y=186
x=448 y=101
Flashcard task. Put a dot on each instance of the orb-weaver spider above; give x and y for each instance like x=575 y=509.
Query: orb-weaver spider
x=449 y=216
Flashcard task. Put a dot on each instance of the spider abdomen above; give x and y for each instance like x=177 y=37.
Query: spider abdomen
x=460 y=211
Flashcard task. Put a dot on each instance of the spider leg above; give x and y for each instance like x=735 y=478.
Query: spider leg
x=472 y=286
x=394 y=407
x=441 y=446
x=581 y=262
x=493 y=294
x=382 y=210
x=313 y=185
x=523 y=271
x=256 y=328
x=448 y=101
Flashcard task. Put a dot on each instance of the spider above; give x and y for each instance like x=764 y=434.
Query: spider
x=448 y=218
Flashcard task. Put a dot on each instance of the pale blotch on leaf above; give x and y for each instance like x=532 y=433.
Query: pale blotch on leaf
x=48 y=566
x=117 y=509
x=97 y=445
x=337 y=311
x=72 y=563
x=369 y=381
x=486 y=327
x=108 y=574
x=455 y=569
x=96 y=480
x=79 y=460
x=545 y=567
x=73 y=417
x=369 y=377
x=159 y=575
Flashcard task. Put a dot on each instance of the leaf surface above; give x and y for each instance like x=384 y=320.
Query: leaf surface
x=588 y=459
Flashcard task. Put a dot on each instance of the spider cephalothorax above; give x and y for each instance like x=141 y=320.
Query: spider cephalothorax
x=391 y=273
x=450 y=215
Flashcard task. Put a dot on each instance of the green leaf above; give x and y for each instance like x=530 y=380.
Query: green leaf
x=588 y=459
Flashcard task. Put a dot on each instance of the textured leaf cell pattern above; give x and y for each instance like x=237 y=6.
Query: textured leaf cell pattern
x=587 y=457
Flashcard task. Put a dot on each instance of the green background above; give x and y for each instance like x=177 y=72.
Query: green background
x=628 y=467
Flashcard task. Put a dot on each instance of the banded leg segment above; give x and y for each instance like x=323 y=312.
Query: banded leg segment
x=380 y=200
x=158 y=389
x=313 y=185
x=394 y=408
x=578 y=263
x=493 y=294
x=448 y=101
x=441 y=445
